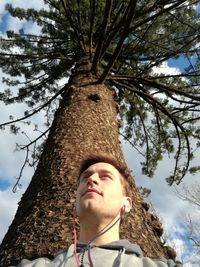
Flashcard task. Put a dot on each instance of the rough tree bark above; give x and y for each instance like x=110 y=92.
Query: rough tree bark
x=85 y=122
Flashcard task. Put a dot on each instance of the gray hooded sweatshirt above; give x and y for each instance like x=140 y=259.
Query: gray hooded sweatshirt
x=119 y=253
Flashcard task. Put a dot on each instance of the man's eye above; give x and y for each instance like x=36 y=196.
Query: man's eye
x=106 y=177
x=84 y=178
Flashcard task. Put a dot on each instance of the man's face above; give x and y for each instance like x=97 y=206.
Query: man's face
x=99 y=192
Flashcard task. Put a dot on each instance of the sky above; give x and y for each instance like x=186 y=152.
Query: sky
x=169 y=208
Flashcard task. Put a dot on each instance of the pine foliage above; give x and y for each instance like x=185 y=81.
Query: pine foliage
x=124 y=41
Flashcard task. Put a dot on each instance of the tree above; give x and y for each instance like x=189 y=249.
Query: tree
x=108 y=50
x=192 y=196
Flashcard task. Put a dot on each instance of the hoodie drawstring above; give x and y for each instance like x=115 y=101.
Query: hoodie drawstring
x=89 y=257
x=118 y=260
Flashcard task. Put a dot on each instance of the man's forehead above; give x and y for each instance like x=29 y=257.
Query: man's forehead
x=101 y=166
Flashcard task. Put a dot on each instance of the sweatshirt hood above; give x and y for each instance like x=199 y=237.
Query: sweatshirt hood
x=118 y=245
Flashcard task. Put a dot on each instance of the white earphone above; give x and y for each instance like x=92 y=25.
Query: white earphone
x=126 y=206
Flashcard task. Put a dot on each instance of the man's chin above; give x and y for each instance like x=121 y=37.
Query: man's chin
x=90 y=205
x=90 y=208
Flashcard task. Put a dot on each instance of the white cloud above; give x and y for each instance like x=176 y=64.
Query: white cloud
x=29 y=28
x=10 y=165
x=36 y=4
x=188 y=264
x=8 y=208
x=179 y=245
x=192 y=260
x=165 y=69
x=15 y=23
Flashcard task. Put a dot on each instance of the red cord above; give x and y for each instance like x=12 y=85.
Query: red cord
x=75 y=239
x=75 y=243
x=88 y=244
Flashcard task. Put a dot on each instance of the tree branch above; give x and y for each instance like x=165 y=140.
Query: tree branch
x=35 y=111
x=75 y=28
x=21 y=171
x=92 y=7
x=106 y=18
x=154 y=102
x=129 y=15
x=35 y=140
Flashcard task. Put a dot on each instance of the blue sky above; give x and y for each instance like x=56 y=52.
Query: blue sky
x=182 y=63
x=162 y=197
x=4 y=184
x=4 y=20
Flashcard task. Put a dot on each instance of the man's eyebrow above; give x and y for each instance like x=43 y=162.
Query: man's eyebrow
x=106 y=171
x=85 y=173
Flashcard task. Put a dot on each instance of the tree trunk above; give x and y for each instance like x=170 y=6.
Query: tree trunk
x=85 y=122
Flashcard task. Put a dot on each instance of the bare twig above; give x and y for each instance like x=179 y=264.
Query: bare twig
x=21 y=171
x=35 y=110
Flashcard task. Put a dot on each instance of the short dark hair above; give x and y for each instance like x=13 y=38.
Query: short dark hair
x=123 y=170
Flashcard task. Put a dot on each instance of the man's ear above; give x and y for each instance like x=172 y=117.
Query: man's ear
x=127 y=204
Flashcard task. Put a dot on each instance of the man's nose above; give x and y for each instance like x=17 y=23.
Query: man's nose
x=93 y=179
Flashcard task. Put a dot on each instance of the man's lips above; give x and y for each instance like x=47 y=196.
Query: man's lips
x=92 y=190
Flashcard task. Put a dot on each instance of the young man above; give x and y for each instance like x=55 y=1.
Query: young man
x=101 y=201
